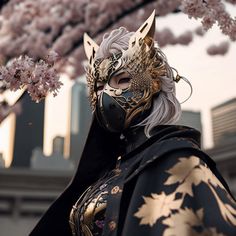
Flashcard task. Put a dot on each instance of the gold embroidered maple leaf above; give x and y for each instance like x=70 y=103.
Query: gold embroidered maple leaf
x=187 y=173
x=209 y=177
x=190 y=169
x=182 y=222
x=227 y=211
x=157 y=206
x=180 y=171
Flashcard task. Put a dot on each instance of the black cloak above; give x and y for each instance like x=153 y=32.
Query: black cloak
x=170 y=187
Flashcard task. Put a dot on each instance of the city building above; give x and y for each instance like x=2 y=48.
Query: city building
x=58 y=145
x=55 y=161
x=225 y=156
x=80 y=119
x=2 y=161
x=25 y=194
x=224 y=122
x=191 y=119
x=29 y=127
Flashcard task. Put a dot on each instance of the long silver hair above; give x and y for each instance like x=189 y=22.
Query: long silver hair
x=166 y=108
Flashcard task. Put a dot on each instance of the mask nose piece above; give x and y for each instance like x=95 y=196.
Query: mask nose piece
x=110 y=114
x=118 y=92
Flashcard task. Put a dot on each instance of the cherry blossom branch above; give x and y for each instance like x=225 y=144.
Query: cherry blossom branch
x=38 y=78
x=231 y=1
x=60 y=24
x=6 y=109
x=211 y=12
x=3 y=2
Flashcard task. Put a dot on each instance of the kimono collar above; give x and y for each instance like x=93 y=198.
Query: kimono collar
x=135 y=137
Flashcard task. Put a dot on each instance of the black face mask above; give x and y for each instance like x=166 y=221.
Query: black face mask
x=111 y=112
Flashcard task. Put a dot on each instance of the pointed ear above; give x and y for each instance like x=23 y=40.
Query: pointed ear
x=146 y=30
x=90 y=47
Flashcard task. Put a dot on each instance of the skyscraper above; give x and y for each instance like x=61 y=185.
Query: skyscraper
x=29 y=128
x=2 y=162
x=80 y=119
x=224 y=122
x=192 y=119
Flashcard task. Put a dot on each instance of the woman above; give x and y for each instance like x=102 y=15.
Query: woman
x=138 y=174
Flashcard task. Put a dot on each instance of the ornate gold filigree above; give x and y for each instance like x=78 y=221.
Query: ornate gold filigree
x=144 y=66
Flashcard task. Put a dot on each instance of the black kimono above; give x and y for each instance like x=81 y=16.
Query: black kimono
x=164 y=185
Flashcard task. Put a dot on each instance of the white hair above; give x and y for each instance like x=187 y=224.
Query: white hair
x=114 y=42
x=166 y=108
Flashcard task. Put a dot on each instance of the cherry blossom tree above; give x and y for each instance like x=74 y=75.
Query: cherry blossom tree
x=30 y=29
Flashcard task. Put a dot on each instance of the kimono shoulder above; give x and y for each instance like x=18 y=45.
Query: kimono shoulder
x=179 y=192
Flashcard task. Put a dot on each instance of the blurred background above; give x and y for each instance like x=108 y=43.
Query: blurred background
x=41 y=143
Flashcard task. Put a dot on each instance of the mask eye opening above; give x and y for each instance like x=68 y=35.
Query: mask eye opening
x=99 y=86
x=120 y=81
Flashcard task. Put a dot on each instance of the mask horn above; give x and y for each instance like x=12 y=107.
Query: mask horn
x=147 y=29
x=90 y=47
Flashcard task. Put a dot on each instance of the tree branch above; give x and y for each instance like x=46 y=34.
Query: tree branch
x=2 y=3
x=111 y=22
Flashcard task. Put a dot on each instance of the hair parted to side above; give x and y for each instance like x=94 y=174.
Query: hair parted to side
x=166 y=108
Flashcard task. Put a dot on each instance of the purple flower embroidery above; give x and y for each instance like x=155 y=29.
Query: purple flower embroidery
x=100 y=223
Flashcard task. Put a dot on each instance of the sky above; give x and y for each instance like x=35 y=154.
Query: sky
x=213 y=80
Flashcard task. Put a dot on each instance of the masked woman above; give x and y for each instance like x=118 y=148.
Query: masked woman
x=139 y=174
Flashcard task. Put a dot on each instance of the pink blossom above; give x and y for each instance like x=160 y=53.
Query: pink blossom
x=200 y=31
x=232 y=33
x=208 y=21
x=164 y=7
x=210 y=11
x=38 y=78
x=194 y=8
x=52 y=57
x=231 y=1
x=31 y=27
x=185 y=38
x=220 y=49
x=166 y=37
